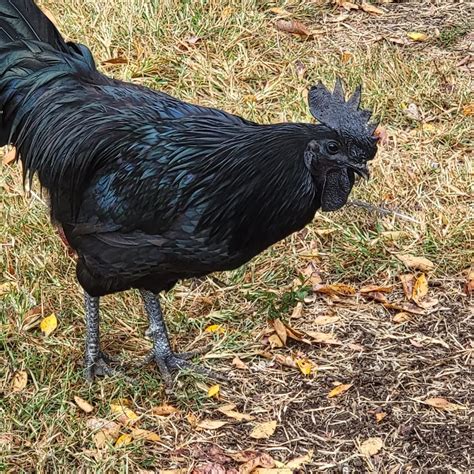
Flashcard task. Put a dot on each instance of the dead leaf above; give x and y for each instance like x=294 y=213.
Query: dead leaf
x=145 y=435
x=377 y=288
x=228 y=410
x=300 y=68
x=306 y=366
x=263 y=430
x=83 y=405
x=260 y=460
x=323 y=320
x=323 y=337
x=164 y=410
x=346 y=56
x=335 y=289
x=125 y=415
x=213 y=391
x=372 y=9
x=415 y=36
x=311 y=274
x=413 y=112
x=211 y=424
x=117 y=60
x=49 y=324
x=417 y=263
x=339 y=390
x=371 y=446
x=19 y=381
x=280 y=330
x=279 y=11
x=401 y=317
x=297 y=311
x=9 y=156
x=275 y=341
x=405 y=307
x=420 y=289
x=239 y=364
x=105 y=431
x=468 y=109
x=293 y=27
x=347 y=5
x=217 y=328
x=123 y=440
x=376 y=296
x=469 y=284
x=300 y=461
x=193 y=39
x=442 y=404
x=380 y=416
x=408 y=282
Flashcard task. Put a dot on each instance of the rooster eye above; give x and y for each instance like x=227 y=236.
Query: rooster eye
x=332 y=147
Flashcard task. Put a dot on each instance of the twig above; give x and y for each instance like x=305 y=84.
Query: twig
x=381 y=210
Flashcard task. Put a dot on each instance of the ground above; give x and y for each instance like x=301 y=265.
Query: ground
x=404 y=370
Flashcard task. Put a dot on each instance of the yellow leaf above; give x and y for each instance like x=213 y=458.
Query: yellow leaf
x=123 y=440
x=263 y=430
x=339 y=390
x=468 y=109
x=371 y=446
x=146 y=435
x=442 y=404
x=49 y=324
x=380 y=416
x=19 y=381
x=213 y=391
x=83 y=405
x=305 y=365
x=211 y=424
x=215 y=328
x=417 y=263
x=413 y=35
x=420 y=288
x=126 y=416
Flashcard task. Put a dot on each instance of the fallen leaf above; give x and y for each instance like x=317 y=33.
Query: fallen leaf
x=415 y=36
x=123 y=440
x=442 y=404
x=146 y=435
x=228 y=410
x=346 y=56
x=125 y=415
x=380 y=416
x=192 y=419
x=324 y=320
x=300 y=68
x=288 y=361
x=217 y=328
x=420 y=289
x=9 y=156
x=83 y=405
x=213 y=391
x=417 y=263
x=275 y=341
x=468 y=109
x=297 y=335
x=339 y=390
x=297 y=311
x=306 y=366
x=377 y=288
x=19 y=381
x=279 y=11
x=311 y=274
x=469 y=284
x=347 y=5
x=211 y=424
x=263 y=430
x=335 y=289
x=405 y=307
x=117 y=60
x=323 y=337
x=239 y=364
x=413 y=112
x=372 y=9
x=280 y=330
x=300 y=461
x=371 y=446
x=376 y=296
x=261 y=460
x=293 y=27
x=49 y=324
x=408 y=282
x=105 y=431
x=193 y=39
x=401 y=317
x=164 y=410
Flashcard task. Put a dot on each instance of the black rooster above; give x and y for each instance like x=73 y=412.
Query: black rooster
x=148 y=189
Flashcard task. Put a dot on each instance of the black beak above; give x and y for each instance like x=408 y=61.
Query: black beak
x=361 y=169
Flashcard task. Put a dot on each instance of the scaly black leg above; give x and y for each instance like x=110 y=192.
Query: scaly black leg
x=96 y=362
x=166 y=360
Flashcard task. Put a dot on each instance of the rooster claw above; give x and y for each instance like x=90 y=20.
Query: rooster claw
x=99 y=366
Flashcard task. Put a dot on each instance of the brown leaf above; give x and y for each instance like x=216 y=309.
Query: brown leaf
x=293 y=27
x=228 y=410
x=408 y=282
x=83 y=405
x=323 y=337
x=19 y=381
x=211 y=424
x=469 y=284
x=275 y=341
x=164 y=410
x=323 y=320
x=347 y=5
x=300 y=68
x=468 y=110
x=125 y=415
x=405 y=307
x=117 y=60
x=260 y=460
x=300 y=461
x=263 y=430
x=339 y=390
x=335 y=289
x=416 y=263
x=442 y=404
x=280 y=330
x=277 y=470
x=377 y=288
x=145 y=435
x=371 y=446
x=239 y=364
x=346 y=56
x=372 y=9
x=297 y=311
x=380 y=416
x=9 y=156
x=420 y=289
x=311 y=274
x=401 y=317
x=105 y=431
x=376 y=296
x=279 y=11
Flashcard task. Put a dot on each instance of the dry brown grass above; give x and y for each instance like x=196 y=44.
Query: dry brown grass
x=243 y=64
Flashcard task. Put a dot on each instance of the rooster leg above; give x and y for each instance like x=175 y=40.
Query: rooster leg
x=166 y=360
x=96 y=362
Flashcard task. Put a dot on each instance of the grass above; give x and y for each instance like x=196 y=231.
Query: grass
x=231 y=56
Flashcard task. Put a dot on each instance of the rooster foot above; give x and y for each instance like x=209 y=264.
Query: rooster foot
x=99 y=366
